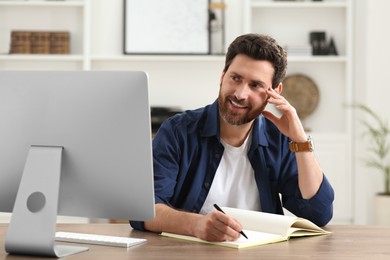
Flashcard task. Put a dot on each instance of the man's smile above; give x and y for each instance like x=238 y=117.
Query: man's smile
x=237 y=104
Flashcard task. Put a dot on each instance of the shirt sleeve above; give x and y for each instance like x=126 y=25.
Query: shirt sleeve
x=166 y=157
x=318 y=209
x=165 y=166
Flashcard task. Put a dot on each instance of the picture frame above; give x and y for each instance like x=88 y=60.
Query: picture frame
x=166 y=27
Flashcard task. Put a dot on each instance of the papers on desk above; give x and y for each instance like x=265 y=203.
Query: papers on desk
x=262 y=228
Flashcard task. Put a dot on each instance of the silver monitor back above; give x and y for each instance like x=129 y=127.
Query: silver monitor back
x=102 y=121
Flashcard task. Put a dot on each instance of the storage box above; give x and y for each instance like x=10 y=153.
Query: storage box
x=59 y=43
x=40 y=42
x=20 y=42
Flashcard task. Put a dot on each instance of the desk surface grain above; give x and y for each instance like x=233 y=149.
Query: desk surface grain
x=345 y=242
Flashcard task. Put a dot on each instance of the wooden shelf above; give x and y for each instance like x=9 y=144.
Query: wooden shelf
x=190 y=58
x=263 y=4
x=42 y=3
x=40 y=57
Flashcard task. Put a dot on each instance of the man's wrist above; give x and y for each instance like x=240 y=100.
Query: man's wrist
x=305 y=146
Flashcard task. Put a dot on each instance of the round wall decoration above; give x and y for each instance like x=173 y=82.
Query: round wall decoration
x=302 y=93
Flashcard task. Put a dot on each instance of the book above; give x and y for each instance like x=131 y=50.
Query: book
x=20 y=42
x=40 y=42
x=262 y=228
x=59 y=42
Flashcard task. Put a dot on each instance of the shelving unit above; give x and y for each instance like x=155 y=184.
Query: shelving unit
x=272 y=17
x=96 y=29
x=43 y=15
x=191 y=81
x=290 y=22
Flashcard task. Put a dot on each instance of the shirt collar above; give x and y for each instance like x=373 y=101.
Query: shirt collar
x=259 y=136
x=211 y=125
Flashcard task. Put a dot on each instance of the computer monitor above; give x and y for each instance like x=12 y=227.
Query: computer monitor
x=72 y=143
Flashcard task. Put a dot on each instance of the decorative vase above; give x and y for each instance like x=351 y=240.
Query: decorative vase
x=382 y=210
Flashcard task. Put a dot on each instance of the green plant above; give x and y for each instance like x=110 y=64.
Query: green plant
x=377 y=131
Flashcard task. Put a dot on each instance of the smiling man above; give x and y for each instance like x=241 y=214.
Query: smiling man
x=236 y=154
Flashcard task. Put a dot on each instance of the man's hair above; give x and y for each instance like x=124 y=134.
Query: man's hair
x=259 y=47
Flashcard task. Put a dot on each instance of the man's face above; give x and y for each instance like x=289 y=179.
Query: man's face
x=242 y=94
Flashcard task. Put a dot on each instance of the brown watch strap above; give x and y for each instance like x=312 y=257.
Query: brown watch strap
x=301 y=147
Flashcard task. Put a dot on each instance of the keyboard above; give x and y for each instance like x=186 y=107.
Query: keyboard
x=98 y=239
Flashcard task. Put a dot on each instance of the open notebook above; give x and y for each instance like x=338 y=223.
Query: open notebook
x=262 y=228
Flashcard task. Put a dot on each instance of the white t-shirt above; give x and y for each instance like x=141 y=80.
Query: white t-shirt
x=234 y=183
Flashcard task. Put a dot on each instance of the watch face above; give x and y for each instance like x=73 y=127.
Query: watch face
x=311 y=146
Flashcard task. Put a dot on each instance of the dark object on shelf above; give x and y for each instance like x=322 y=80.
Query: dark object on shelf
x=332 y=50
x=160 y=114
x=318 y=42
x=40 y=42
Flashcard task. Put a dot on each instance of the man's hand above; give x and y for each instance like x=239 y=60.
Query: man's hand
x=289 y=123
x=217 y=227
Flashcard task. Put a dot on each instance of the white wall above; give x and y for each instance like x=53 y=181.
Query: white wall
x=108 y=39
x=372 y=63
x=187 y=86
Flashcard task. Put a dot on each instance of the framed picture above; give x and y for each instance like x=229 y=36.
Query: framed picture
x=166 y=27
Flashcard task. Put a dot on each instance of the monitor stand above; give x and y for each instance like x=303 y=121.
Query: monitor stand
x=33 y=222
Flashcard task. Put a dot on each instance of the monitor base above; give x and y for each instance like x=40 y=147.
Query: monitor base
x=33 y=222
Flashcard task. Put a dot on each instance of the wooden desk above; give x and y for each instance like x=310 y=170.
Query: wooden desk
x=346 y=242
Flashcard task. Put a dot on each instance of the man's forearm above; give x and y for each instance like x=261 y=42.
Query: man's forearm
x=170 y=220
x=310 y=174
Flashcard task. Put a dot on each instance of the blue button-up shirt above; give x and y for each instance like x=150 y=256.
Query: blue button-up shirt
x=187 y=151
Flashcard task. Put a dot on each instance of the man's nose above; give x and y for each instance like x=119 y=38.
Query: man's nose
x=242 y=91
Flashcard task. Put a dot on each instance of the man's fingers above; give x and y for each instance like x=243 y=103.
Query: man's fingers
x=227 y=226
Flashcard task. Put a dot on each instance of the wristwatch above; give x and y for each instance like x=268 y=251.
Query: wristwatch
x=307 y=146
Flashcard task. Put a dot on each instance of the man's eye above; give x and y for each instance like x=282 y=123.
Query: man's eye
x=256 y=85
x=235 y=78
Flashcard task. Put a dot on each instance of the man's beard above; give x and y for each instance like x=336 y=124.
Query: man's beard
x=236 y=118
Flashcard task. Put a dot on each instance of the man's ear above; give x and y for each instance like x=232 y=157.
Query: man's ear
x=220 y=80
x=279 y=88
